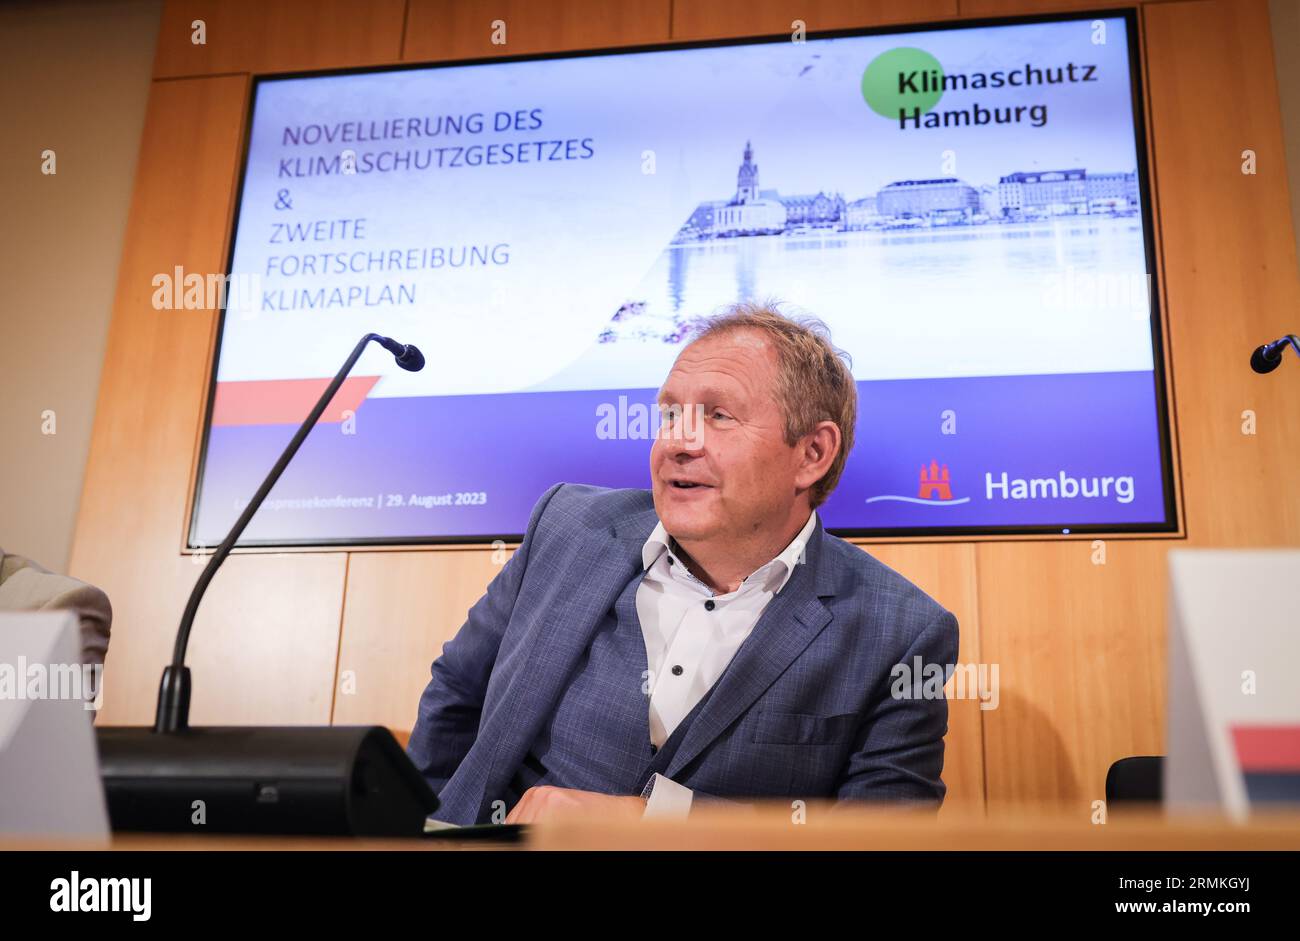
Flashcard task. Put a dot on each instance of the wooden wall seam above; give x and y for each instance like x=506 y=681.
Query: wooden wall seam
x=406 y=19
x=338 y=648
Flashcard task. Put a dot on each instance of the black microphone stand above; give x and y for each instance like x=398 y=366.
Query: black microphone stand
x=173 y=713
x=330 y=779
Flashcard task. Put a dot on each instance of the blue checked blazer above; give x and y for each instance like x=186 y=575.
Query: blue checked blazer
x=807 y=709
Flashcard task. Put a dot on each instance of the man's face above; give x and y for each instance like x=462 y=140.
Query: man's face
x=723 y=430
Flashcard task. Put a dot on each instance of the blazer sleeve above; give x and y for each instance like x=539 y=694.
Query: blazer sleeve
x=452 y=703
x=899 y=751
x=26 y=586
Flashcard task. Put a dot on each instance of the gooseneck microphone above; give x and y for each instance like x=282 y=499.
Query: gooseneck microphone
x=327 y=779
x=1269 y=356
x=173 y=711
x=408 y=357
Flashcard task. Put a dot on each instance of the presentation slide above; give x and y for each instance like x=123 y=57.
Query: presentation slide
x=963 y=208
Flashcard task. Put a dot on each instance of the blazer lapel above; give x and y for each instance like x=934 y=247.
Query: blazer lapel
x=787 y=626
x=598 y=573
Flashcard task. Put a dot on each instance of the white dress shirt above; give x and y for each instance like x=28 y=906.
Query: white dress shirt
x=691 y=634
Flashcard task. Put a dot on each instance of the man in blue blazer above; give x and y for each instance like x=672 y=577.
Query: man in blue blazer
x=647 y=651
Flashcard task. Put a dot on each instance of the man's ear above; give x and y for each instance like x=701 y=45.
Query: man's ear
x=819 y=448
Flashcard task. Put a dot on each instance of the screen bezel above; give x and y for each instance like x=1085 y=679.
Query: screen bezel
x=1171 y=527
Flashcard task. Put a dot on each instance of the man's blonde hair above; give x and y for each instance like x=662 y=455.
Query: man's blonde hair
x=814 y=378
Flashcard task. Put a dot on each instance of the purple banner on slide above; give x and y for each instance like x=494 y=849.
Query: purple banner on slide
x=1061 y=451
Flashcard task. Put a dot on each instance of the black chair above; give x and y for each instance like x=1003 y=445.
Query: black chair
x=1135 y=782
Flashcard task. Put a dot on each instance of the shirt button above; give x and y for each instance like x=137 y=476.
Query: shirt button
x=654 y=749
x=670 y=560
x=708 y=605
x=677 y=669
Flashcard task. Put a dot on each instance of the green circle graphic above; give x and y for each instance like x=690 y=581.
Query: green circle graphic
x=894 y=81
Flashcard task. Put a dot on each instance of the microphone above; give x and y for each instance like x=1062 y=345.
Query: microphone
x=329 y=779
x=1269 y=356
x=408 y=357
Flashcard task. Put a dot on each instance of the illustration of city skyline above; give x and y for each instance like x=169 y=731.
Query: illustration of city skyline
x=1016 y=197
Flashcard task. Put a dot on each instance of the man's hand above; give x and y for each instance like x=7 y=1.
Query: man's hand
x=545 y=802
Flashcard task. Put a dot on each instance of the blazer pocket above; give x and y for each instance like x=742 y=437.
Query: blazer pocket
x=801 y=728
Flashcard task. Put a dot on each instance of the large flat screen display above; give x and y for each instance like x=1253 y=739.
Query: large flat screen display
x=965 y=207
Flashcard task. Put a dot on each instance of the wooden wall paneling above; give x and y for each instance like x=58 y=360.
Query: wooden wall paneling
x=401 y=608
x=1081 y=661
x=947 y=573
x=1229 y=265
x=277 y=35
x=975 y=8
x=265 y=642
x=714 y=19
x=463 y=29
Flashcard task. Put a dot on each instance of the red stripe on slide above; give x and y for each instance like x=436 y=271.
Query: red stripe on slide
x=1267 y=747
x=285 y=401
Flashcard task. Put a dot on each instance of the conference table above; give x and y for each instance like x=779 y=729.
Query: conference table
x=783 y=828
